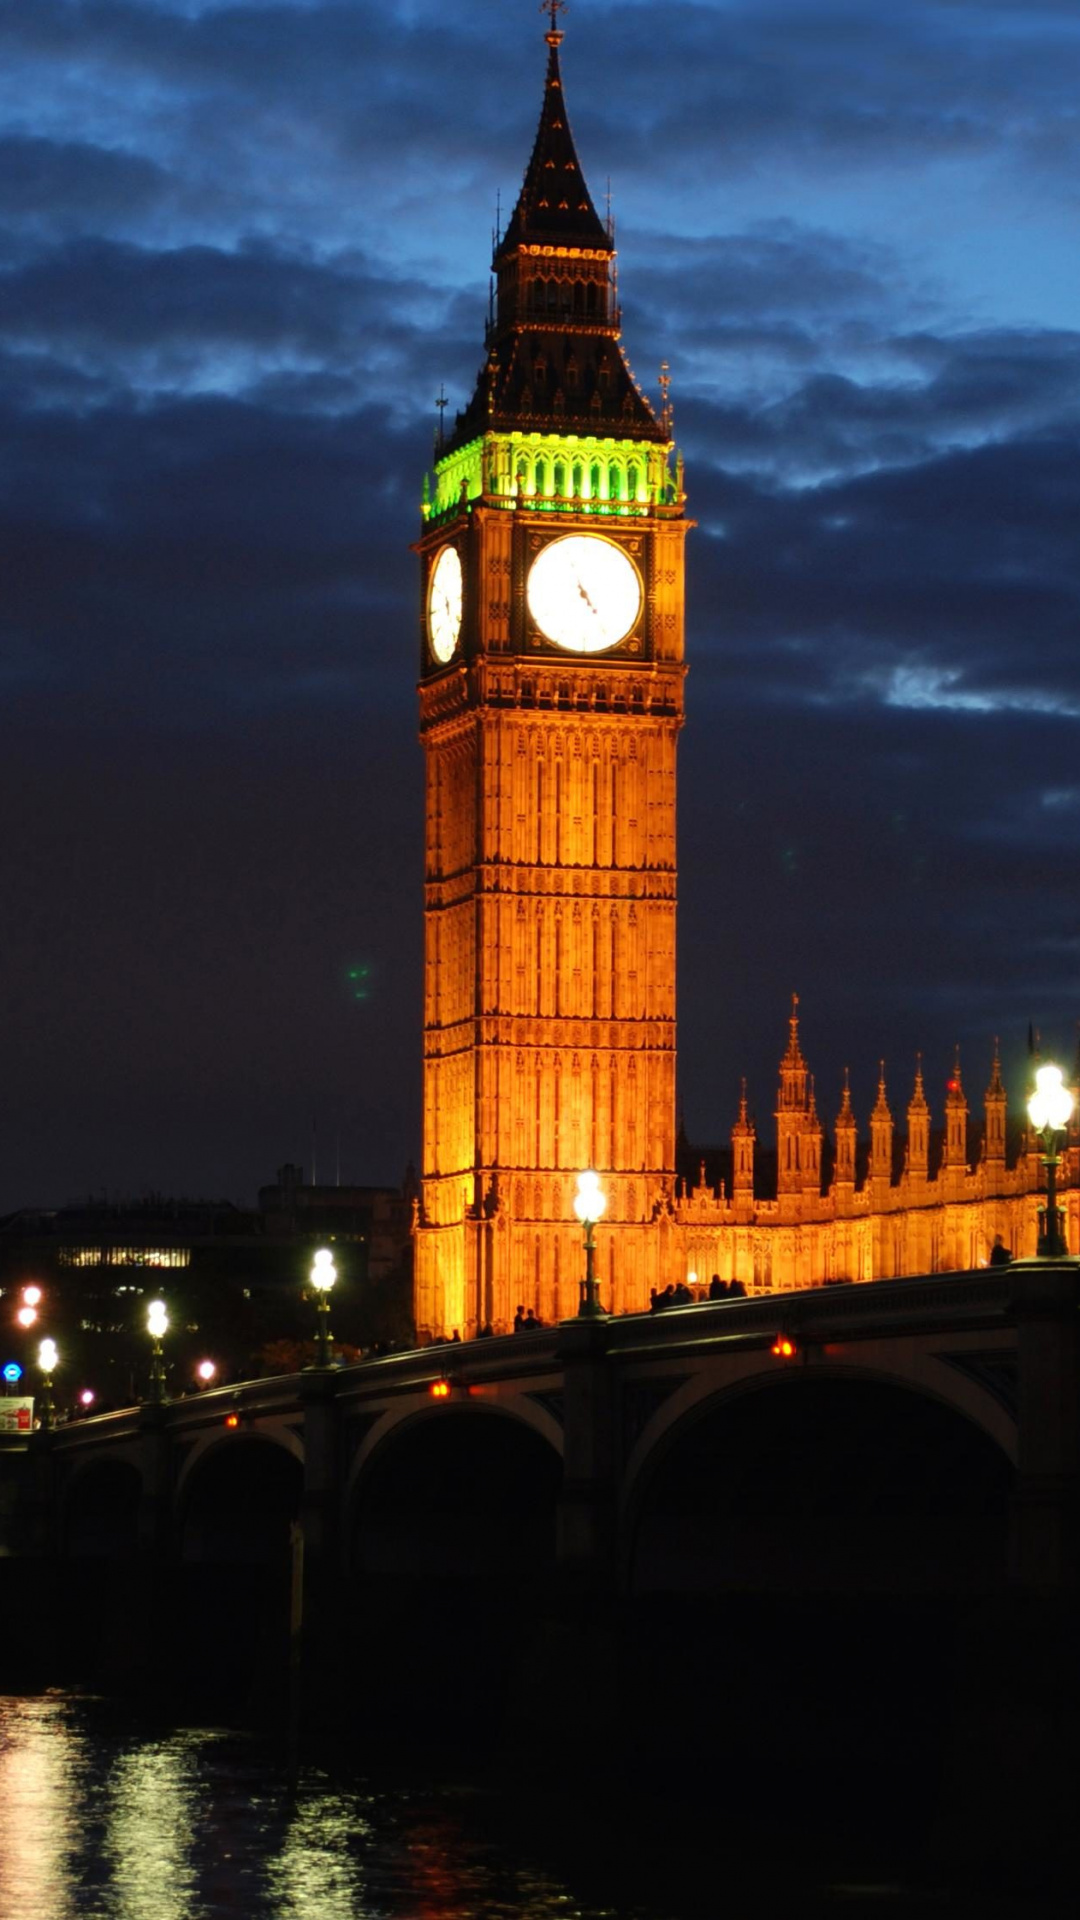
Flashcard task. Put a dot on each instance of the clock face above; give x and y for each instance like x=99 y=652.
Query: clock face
x=584 y=593
x=444 y=605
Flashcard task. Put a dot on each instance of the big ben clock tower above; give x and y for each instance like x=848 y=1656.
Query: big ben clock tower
x=551 y=697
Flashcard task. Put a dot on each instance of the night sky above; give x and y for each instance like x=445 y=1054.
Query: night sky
x=241 y=245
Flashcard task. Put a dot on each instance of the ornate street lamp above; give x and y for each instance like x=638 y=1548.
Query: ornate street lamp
x=48 y=1359
x=323 y=1275
x=157 y=1326
x=590 y=1202
x=1048 y=1110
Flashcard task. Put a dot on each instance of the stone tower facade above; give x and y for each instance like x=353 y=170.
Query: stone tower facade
x=551 y=697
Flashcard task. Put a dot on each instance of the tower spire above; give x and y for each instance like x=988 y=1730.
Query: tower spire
x=554 y=206
x=553 y=8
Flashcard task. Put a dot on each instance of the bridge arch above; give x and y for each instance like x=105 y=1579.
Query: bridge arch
x=461 y=1491
x=236 y=1499
x=99 y=1515
x=449 y=1549
x=215 y=1442
x=925 y=1373
x=830 y=1479
x=804 y=1553
x=229 y=1591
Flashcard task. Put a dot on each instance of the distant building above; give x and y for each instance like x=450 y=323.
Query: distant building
x=232 y=1278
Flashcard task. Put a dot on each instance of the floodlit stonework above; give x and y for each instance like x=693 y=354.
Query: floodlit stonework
x=551 y=698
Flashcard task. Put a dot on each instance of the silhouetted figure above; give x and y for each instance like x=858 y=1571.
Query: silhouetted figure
x=531 y=1321
x=455 y=1336
x=1000 y=1254
x=519 y=1319
x=654 y=1300
x=486 y=1332
x=682 y=1296
x=736 y=1289
x=717 y=1289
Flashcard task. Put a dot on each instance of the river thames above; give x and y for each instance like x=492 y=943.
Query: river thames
x=107 y=1817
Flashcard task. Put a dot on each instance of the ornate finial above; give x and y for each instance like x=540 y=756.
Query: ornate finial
x=553 y=36
x=845 y=1099
x=442 y=403
x=666 y=414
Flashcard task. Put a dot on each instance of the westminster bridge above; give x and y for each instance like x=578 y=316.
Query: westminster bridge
x=669 y=1517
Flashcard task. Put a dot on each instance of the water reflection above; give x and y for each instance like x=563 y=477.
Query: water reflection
x=316 y=1869
x=150 y=1830
x=100 y=1821
x=39 y=1759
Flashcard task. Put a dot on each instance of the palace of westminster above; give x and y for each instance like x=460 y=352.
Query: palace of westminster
x=551 y=698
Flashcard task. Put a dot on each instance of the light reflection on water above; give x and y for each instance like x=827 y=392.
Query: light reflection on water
x=102 y=1821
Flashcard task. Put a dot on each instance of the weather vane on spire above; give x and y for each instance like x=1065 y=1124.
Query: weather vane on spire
x=554 y=8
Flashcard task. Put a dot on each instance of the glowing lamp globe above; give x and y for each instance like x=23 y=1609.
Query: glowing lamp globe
x=86 y=1397
x=31 y=1296
x=157 y=1320
x=1051 y=1103
x=206 y=1371
x=323 y=1271
x=26 y=1316
x=590 y=1200
x=48 y=1356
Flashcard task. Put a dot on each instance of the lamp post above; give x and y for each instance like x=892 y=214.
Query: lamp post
x=1048 y=1110
x=590 y=1202
x=47 y=1361
x=323 y=1275
x=157 y=1326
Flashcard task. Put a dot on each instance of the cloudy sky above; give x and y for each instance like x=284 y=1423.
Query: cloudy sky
x=241 y=245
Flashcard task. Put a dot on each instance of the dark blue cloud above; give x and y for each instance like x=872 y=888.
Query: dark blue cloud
x=241 y=245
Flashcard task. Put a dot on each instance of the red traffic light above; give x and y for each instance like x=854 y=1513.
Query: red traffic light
x=232 y=1419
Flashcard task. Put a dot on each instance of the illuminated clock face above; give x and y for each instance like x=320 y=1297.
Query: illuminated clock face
x=444 y=604
x=584 y=593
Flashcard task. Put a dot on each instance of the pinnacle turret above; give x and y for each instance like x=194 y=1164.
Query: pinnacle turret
x=956 y=1117
x=918 y=1126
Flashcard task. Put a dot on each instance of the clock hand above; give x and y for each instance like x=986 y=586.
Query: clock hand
x=584 y=595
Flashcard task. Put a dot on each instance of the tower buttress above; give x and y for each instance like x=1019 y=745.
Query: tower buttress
x=918 y=1127
x=846 y=1140
x=881 y=1136
x=995 y=1106
x=956 y=1119
x=810 y=1155
x=791 y=1111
